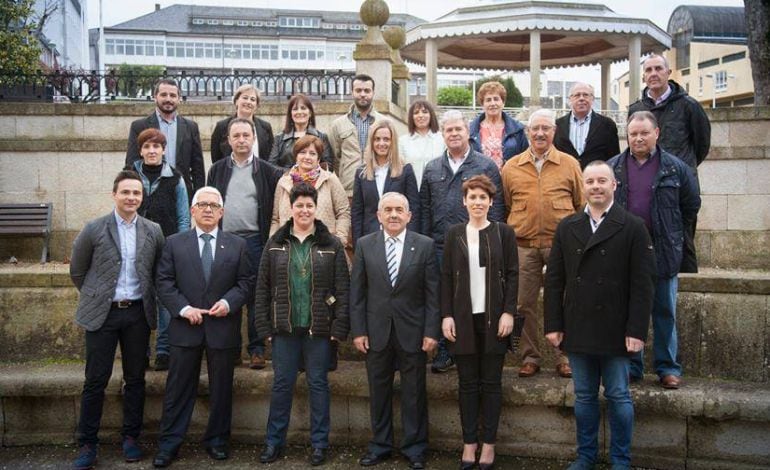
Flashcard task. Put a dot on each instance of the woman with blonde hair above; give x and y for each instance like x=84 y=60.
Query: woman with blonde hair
x=384 y=171
x=246 y=101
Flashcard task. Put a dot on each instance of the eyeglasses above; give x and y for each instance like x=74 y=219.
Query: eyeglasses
x=210 y=205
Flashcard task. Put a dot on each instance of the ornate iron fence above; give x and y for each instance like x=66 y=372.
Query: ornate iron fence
x=85 y=87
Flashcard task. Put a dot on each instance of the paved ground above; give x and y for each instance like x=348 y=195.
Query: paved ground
x=242 y=457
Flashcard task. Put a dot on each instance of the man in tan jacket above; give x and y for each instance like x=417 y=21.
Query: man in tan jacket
x=541 y=186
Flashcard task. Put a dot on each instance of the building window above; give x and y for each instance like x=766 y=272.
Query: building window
x=720 y=81
x=700 y=85
x=110 y=46
x=198 y=21
x=228 y=22
x=256 y=23
x=685 y=72
x=708 y=63
x=243 y=23
x=212 y=22
x=734 y=57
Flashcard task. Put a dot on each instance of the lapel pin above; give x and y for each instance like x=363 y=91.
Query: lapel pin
x=222 y=247
x=412 y=248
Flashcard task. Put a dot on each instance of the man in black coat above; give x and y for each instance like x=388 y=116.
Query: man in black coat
x=183 y=149
x=599 y=290
x=394 y=314
x=584 y=133
x=204 y=295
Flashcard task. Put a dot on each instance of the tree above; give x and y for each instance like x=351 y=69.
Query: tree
x=513 y=97
x=454 y=96
x=138 y=79
x=758 y=27
x=19 y=46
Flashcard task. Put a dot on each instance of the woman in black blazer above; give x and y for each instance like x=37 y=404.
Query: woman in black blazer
x=299 y=122
x=479 y=290
x=384 y=171
x=246 y=101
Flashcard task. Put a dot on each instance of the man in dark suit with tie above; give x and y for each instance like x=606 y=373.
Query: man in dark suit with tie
x=183 y=149
x=583 y=133
x=394 y=315
x=204 y=295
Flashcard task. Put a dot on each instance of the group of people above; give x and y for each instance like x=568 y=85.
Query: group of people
x=432 y=242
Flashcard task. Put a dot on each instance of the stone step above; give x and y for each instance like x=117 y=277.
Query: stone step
x=706 y=424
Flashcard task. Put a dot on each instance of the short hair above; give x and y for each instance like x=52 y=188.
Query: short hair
x=210 y=190
x=417 y=105
x=150 y=135
x=491 y=88
x=452 y=115
x=390 y=195
x=303 y=190
x=595 y=163
x=643 y=116
x=577 y=84
x=394 y=158
x=480 y=182
x=247 y=87
x=542 y=112
x=656 y=56
x=299 y=98
x=362 y=77
x=238 y=120
x=166 y=81
x=125 y=175
x=306 y=141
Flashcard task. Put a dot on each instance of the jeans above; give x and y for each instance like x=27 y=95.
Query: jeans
x=254 y=248
x=129 y=328
x=664 y=343
x=287 y=351
x=587 y=372
x=161 y=340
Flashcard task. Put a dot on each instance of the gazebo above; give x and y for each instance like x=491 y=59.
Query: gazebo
x=532 y=35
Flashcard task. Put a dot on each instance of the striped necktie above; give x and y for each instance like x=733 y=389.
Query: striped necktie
x=391 y=260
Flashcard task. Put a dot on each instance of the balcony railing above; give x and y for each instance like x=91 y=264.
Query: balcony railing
x=86 y=87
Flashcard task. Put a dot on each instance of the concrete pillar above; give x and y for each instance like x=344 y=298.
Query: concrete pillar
x=372 y=53
x=605 y=91
x=395 y=36
x=431 y=66
x=534 y=69
x=634 y=69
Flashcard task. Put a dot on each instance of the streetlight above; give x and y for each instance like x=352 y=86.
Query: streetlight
x=713 y=78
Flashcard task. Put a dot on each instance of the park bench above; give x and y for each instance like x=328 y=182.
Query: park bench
x=27 y=220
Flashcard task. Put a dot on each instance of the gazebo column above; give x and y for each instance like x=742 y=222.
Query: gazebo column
x=534 y=69
x=431 y=66
x=605 y=83
x=634 y=70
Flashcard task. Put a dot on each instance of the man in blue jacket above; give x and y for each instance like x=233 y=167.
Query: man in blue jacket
x=661 y=189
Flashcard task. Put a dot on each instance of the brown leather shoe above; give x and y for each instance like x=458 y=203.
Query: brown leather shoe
x=528 y=369
x=257 y=362
x=671 y=382
x=564 y=370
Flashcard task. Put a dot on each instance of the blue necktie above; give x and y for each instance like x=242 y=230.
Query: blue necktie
x=391 y=260
x=207 y=258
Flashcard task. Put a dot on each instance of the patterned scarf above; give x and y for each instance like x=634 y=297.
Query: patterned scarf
x=310 y=177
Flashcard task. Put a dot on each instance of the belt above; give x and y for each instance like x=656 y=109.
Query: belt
x=125 y=303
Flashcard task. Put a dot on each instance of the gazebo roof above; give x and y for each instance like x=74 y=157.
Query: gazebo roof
x=496 y=35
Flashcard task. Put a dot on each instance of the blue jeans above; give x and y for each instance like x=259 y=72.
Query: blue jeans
x=161 y=340
x=287 y=351
x=588 y=371
x=254 y=248
x=664 y=340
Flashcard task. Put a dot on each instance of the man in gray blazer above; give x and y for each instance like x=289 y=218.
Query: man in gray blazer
x=113 y=267
x=394 y=315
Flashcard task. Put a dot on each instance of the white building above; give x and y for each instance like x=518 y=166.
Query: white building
x=65 y=41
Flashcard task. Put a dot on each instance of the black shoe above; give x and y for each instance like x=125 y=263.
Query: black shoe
x=467 y=465
x=163 y=459
x=161 y=362
x=270 y=454
x=217 y=452
x=318 y=457
x=417 y=463
x=443 y=361
x=373 y=459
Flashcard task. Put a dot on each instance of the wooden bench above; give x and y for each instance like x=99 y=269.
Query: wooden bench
x=27 y=220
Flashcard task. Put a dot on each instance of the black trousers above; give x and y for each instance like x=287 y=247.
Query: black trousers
x=128 y=327
x=182 y=390
x=380 y=371
x=480 y=377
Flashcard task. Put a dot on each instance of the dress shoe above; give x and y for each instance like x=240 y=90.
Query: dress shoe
x=417 y=463
x=564 y=370
x=131 y=450
x=270 y=454
x=467 y=465
x=163 y=459
x=671 y=382
x=257 y=362
x=217 y=452
x=161 y=362
x=86 y=457
x=487 y=466
x=373 y=459
x=529 y=369
x=318 y=457
x=442 y=362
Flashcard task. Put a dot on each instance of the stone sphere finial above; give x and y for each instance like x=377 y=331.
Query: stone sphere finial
x=395 y=36
x=374 y=13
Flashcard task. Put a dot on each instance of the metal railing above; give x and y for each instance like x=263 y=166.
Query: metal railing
x=86 y=87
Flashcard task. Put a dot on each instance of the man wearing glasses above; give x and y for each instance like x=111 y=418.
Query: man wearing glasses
x=584 y=133
x=541 y=186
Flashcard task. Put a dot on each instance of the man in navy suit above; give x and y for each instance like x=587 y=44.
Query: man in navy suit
x=204 y=295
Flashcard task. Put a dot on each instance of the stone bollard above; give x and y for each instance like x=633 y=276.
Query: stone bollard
x=395 y=36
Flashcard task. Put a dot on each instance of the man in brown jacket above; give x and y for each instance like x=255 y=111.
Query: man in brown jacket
x=541 y=186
